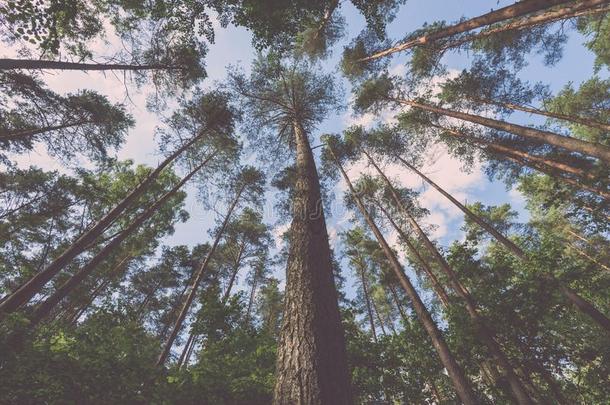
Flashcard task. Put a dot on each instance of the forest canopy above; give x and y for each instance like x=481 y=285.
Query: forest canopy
x=305 y=202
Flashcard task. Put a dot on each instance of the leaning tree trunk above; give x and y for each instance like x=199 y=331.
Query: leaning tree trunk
x=582 y=304
x=578 y=9
x=197 y=281
x=311 y=361
x=436 y=285
x=564 y=117
x=10 y=64
x=498 y=148
x=367 y=299
x=37 y=282
x=516 y=10
x=597 y=150
x=45 y=308
x=236 y=265
x=27 y=133
x=460 y=382
x=484 y=332
x=252 y=295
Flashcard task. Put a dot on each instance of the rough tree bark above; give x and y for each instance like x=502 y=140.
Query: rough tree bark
x=460 y=382
x=312 y=361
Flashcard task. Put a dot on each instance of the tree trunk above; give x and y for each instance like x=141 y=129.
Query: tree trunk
x=378 y=316
x=506 y=150
x=556 y=175
x=597 y=150
x=10 y=64
x=367 y=299
x=45 y=308
x=580 y=9
x=460 y=382
x=37 y=282
x=311 y=363
x=505 y=13
x=483 y=331
x=401 y=310
x=26 y=133
x=227 y=293
x=436 y=285
x=585 y=306
x=252 y=295
x=587 y=256
x=478 y=220
x=198 y=278
x=186 y=349
x=564 y=117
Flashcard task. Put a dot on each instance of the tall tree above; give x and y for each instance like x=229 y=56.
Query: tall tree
x=285 y=102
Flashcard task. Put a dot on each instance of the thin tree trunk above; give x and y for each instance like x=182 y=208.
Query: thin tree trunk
x=37 y=282
x=580 y=9
x=7 y=136
x=45 y=308
x=198 y=278
x=227 y=293
x=187 y=358
x=506 y=150
x=378 y=316
x=367 y=299
x=597 y=150
x=564 y=117
x=10 y=64
x=557 y=176
x=311 y=363
x=186 y=349
x=436 y=285
x=585 y=306
x=401 y=310
x=460 y=382
x=252 y=295
x=586 y=256
x=478 y=220
x=482 y=329
x=505 y=13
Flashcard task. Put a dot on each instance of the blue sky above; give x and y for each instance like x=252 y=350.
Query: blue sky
x=233 y=46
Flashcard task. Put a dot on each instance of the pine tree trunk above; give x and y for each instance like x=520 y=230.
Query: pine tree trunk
x=585 y=307
x=252 y=295
x=27 y=133
x=579 y=9
x=196 y=282
x=436 y=285
x=367 y=299
x=508 y=151
x=311 y=363
x=10 y=64
x=227 y=293
x=564 y=117
x=478 y=220
x=186 y=349
x=483 y=331
x=401 y=310
x=460 y=382
x=378 y=316
x=513 y=11
x=597 y=150
x=45 y=308
x=37 y=282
